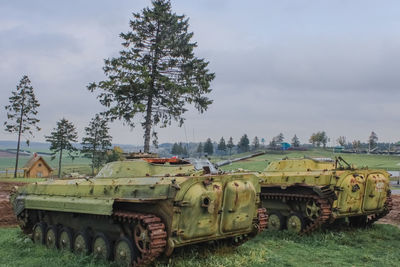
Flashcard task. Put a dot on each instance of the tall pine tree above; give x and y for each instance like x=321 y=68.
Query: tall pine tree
x=200 y=149
x=61 y=139
x=176 y=149
x=243 y=144
x=222 y=145
x=157 y=73
x=230 y=145
x=97 y=141
x=208 y=147
x=256 y=143
x=295 y=141
x=21 y=113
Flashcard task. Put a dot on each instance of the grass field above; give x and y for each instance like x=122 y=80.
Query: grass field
x=378 y=246
x=387 y=162
x=80 y=165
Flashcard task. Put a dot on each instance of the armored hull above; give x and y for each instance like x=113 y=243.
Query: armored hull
x=134 y=220
x=304 y=194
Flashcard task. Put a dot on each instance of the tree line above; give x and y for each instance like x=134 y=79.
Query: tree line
x=317 y=139
x=22 y=120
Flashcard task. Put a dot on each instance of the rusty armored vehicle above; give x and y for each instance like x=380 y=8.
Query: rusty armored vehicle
x=304 y=194
x=133 y=220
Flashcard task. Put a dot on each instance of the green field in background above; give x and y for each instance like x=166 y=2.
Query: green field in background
x=82 y=165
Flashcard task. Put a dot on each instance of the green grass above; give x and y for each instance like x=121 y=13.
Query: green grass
x=18 y=250
x=387 y=162
x=378 y=246
x=80 y=165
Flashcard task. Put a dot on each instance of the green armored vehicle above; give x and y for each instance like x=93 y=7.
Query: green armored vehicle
x=304 y=194
x=134 y=220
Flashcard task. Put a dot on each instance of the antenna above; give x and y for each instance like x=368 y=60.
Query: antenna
x=187 y=147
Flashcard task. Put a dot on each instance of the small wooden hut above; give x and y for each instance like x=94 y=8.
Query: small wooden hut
x=37 y=167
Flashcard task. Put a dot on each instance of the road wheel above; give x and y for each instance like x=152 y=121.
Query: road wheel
x=51 y=236
x=313 y=210
x=101 y=247
x=124 y=253
x=39 y=232
x=276 y=221
x=82 y=243
x=66 y=238
x=295 y=223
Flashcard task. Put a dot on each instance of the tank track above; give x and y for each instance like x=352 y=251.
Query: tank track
x=156 y=232
x=262 y=220
x=388 y=207
x=326 y=208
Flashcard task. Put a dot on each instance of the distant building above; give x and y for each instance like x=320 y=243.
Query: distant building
x=338 y=149
x=37 y=167
x=285 y=146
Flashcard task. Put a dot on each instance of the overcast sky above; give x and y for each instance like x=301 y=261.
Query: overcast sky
x=294 y=67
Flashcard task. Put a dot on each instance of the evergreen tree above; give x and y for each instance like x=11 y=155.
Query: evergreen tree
x=156 y=73
x=230 y=145
x=243 y=144
x=175 y=149
x=200 y=149
x=97 y=141
x=61 y=140
x=256 y=143
x=222 y=145
x=276 y=141
x=184 y=150
x=295 y=141
x=372 y=141
x=208 y=147
x=280 y=138
x=273 y=143
x=21 y=113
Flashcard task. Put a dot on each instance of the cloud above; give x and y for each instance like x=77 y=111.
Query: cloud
x=280 y=67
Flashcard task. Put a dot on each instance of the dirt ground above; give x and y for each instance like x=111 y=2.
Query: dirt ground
x=394 y=216
x=7 y=216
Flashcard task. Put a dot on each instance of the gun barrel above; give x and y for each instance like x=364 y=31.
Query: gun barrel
x=229 y=161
